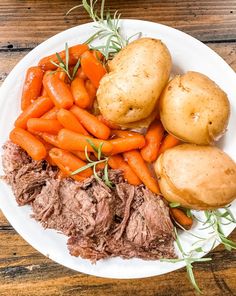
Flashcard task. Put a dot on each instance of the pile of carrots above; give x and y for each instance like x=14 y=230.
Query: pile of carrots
x=56 y=122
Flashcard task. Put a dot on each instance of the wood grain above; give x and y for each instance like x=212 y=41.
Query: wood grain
x=23 y=25
x=31 y=22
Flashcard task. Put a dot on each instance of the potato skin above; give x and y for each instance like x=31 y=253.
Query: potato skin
x=198 y=177
x=138 y=74
x=194 y=109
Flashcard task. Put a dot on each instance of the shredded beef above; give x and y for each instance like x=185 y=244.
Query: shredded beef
x=127 y=221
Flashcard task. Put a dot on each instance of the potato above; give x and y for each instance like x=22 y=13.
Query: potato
x=194 y=109
x=197 y=177
x=137 y=75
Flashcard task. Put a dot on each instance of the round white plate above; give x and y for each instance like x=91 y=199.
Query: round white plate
x=188 y=54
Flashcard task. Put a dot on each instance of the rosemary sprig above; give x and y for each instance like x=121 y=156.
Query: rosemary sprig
x=64 y=66
x=189 y=259
x=214 y=221
x=92 y=164
x=107 y=26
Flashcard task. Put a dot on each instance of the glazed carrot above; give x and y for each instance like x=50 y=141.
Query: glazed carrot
x=29 y=143
x=107 y=122
x=50 y=160
x=61 y=175
x=51 y=114
x=58 y=91
x=68 y=163
x=140 y=168
x=80 y=94
x=69 y=140
x=124 y=134
x=168 y=142
x=117 y=162
x=98 y=55
x=99 y=166
x=153 y=139
x=69 y=121
x=51 y=126
x=81 y=154
x=121 y=145
x=92 y=68
x=51 y=139
x=74 y=54
x=35 y=110
x=80 y=74
x=91 y=90
x=91 y=123
x=32 y=86
x=43 y=92
x=61 y=74
x=181 y=218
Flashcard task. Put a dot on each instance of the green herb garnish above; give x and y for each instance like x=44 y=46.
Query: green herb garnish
x=174 y=204
x=92 y=164
x=107 y=26
x=189 y=259
x=64 y=66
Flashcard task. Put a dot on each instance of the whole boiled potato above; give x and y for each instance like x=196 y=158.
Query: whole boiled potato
x=194 y=108
x=136 y=78
x=197 y=177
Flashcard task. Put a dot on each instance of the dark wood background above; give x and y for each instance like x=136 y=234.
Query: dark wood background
x=23 y=25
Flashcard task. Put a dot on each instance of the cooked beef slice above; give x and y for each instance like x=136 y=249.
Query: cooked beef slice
x=26 y=176
x=127 y=221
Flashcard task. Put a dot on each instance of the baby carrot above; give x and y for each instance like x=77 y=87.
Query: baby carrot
x=81 y=154
x=29 y=143
x=68 y=163
x=51 y=126
x=124 y=134
x=98 y=55
x=35 y=110
x=91 y=123
x=153 y=139
x=91 y=90
x=58 y=91
x=74 y=54
x=121 y=145
x=117 y=162
x=51 y=139
x=180 y=217
x=80 y=74
x=168 y=142
x=140 y=168
x=80 y=94
x=61 y=175
x=43 y=92
x=61 y=74
x=69 y=121
x=32 y=86
x=107 y=122
x=51 y=114
x=69 y=140
x=92 y=68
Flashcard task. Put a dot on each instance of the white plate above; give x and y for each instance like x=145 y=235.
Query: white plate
x=188 y=54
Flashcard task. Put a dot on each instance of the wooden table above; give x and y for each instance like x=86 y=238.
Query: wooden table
x=25 y=24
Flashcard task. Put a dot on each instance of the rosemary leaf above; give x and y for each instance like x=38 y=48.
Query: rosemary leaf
x=174 y=204
x=76 y=67
x=85 y=167
x=92 y=145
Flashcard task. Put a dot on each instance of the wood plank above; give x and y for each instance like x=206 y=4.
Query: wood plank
x=24 y=24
